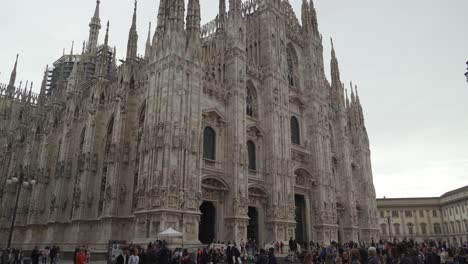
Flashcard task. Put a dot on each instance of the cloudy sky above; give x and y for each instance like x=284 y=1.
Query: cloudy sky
x=406 y=56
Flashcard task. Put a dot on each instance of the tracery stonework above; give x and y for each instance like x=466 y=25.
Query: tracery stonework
x=117 y=147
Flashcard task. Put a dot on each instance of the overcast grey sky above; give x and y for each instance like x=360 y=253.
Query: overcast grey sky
x=406 y=56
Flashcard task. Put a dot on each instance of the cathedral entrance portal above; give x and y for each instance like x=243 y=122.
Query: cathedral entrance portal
x=206 y=229
x=252 y=228
x=300 y=218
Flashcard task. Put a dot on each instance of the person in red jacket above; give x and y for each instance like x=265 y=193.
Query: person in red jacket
x=80 y=257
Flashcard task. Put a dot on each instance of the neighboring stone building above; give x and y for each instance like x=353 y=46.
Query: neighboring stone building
x=443 y=218
x=228 y=131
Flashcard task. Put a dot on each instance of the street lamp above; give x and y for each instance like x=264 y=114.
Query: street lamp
x=389 y=221
x=21 y=182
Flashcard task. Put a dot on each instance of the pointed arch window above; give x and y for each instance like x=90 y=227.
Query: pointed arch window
x=252 y=155
x=209 y=143
x=292 y=61
x=251 y=101
x=295 y=131
x=132 y=83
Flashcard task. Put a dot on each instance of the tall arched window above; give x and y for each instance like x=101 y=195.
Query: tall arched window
x=295 y=131
x=252 y=155
x=410 y=228
x=251 y=101
x=383 y=229
x=423 y=229
x=292 y=61
x=209 y=143
x=437 y=229
x=396 y=228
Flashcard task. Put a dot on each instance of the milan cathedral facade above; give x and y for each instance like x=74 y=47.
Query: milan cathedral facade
x=228 y=131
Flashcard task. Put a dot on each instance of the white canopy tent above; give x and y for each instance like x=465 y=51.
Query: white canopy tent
x=170 y=232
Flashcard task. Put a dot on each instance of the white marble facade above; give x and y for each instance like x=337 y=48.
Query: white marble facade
x=236 y=117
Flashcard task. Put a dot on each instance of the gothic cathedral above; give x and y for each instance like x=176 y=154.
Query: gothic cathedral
x=228 y=131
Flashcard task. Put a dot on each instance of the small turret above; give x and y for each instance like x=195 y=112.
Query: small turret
x=132 y=45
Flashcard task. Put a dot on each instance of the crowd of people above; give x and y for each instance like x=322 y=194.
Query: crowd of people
x=16 y=256
x=396 y=252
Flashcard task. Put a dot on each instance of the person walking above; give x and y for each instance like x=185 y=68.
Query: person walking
x=262 y=257
x=80 y=256
x=123 y=257
x=354 y=257
x=271 y=256
x=134 y=259
x=35 y=255
x=308 y=258
x=373 y=259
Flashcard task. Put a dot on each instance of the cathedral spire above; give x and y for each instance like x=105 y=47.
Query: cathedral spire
x=13 y=74
x=132 y=45
x=358 y=101
x=313 y=19
x=335 y=71
x=72 y=47
x=352 y=94
x=162 y=18
x=347 y=99
x=222 y=13
x=148 y=43
x=306 y=20
x=106 y=38
x=235 y=7
x=42 y=93
x=94 y=27
x=193 y=17
x=176 y=14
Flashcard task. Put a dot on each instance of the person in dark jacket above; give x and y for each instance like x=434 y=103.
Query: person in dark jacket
x=164 y=254
x=53 y=254
x=123 y=257
x=229 y=255
x=271 y=256
x=262 y=257
x=35 y=255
